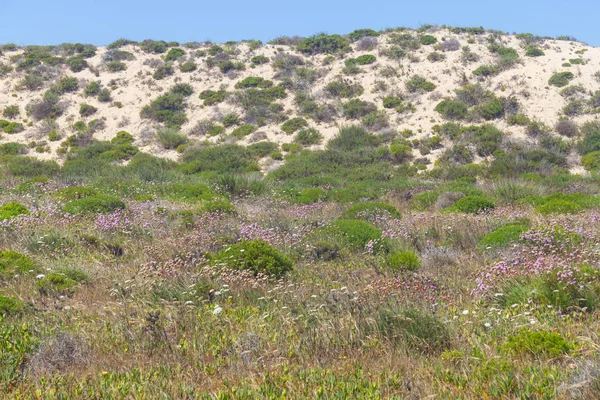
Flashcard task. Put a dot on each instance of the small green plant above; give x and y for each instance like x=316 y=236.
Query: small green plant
x=102 y=204
x=370 y=210
x=366 y=59
x=11 y=112
x=356 y=108
x=174 y=54
x=243 y=131
x=11 y=210
x=534 y=52
x=85 y=110
x=343 y=89
x=323 y=43
x=591 y=161
x=357 y=234
x=13 y=263
x=418 y=83
x=452 y=109
x=427 y=40
x=502 y=236
x=188 y=66
x=538 y=343
x=472 y=205
x=292 y=125
x=259 y=60
x=75 y=192
x=561 y=79
x=211 y=97
x=256 y=256
x=10 y=306
x=116 y=66
x=559 y=206
x=403 y=260
x=171 y=138
x=61 y=282
x=308 y=137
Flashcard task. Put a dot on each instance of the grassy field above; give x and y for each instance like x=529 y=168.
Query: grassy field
x=339 y=275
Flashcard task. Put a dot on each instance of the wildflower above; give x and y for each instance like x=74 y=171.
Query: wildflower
x=487 y=325
x=465 y=312
x=218 y=310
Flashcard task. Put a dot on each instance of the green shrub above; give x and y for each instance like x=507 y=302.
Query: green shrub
x=188 y=66
x=538 y=343
x=243 y=131
x=361 y=33
x=10 y=306
x=226 y=158
x=308 y=137
x=254 y=82
x=418 y=83
x=370 y=210
x=11 y=210
x=13 y=263
x=427 y=40
x=211 y=97
x=102 y=204
x=502 y=236
x=11 y=112
x=92 y=89
x=77 y=64
x=163 y=71
x=76 y=192
x=85 y=110
x=356 y=108
x=356 y=233
x=366 y=59
x=591 y=161
x=259 y=60
x=256 y=256
x=61 y=282
x=534 y=52
x=116 y=66
x=559 y=206
x=13 y=149
x=32 y=167
x=452 y=109
x=220 y=205
x=171 y=138
x=153 y=46
x=230 y=120
x=472 y=205
x=13 y=127
x=391 y=102
x=292 y=125
x=343 y=89
x=168 y=108
x=561 y=79
x=122 y=137
x=403 y=260
x=423 y=331
x=174 y=54
x=323 y=43
x=486 y=70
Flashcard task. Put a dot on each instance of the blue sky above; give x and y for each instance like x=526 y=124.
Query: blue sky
x=102 y=21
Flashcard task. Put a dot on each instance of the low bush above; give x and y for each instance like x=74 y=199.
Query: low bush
x=174 y=54
x=366 y=59
x=559 y=206
x=472 y=205
x=355 y=108
x=418 y=83
x=427 y=40
x=538 y=343
x=534 y=52
x=591 y=161
x=256 y=256
x=11 y=112
x=357 y=234
x=403 y=260
x=211 y=97
x=13 y=263
x=61 y=282
x=168 y=108
x=243 y=131
x=171 y=138
x=85 y=110
x=292 y=125
x=11 y=210
x=502 y=236
x=102 y=204
x=323 y=43
x=76 y=192
x=344 y=89
x=10 y=306
x=561 y=79
x=422 y=331
x=308 y=137
x=188 y=66
x=452 y=109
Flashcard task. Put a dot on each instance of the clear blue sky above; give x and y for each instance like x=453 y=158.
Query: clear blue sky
x=102 y=21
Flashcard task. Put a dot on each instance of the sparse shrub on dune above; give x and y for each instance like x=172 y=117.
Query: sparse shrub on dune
x=102 y=204
x=561 y=79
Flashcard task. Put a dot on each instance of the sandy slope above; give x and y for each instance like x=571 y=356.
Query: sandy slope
x=135 y=87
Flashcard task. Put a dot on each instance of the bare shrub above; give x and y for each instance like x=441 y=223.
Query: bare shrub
x=201 y=128
x=45 y=127
x=450 y=45
x=58 y=354
x=566 y=127
x=257 y=137
x=366 y=44
x=153 y=63
x=287 y=40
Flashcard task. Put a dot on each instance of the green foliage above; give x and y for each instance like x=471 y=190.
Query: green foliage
x=122 y=137
x=366 y=59
x=10 y=306
x=452 y=109
x=472 y=205
x=61 y=282
x=153 y=47
x=76 y=192
x=256 y=256
x=356 y=233
x=11 y=127
x=13 y=263
x=538 y=343
x=292 y=125
x=226 y=158
x=171 y=138
x=174 y=54
x=12 y=209
x=361 y=33
x=507 y=56
x=211 y=97
x=163 y=71
x=77 y=64
x=403 y=260
x=534 y=52
x=116 y=66
x=308 y=137
x=486 y=70
x=392 y=102
x=254 y=82
x=243 y=131
x=591 y=161
x=259 y=60
x=12 y=149
x=422 y=331
x=559 y=206
x=168 y=108
x=85 y=110
x=344 y=89
x=561 y=79
x=370 y=210
x=427 y=40
x=418 y=83
x=102 y=204
x=188 y=66
x=502 y=236
x=323 y=43
x=11 y=112
x=356 y=108
x=92 y=89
